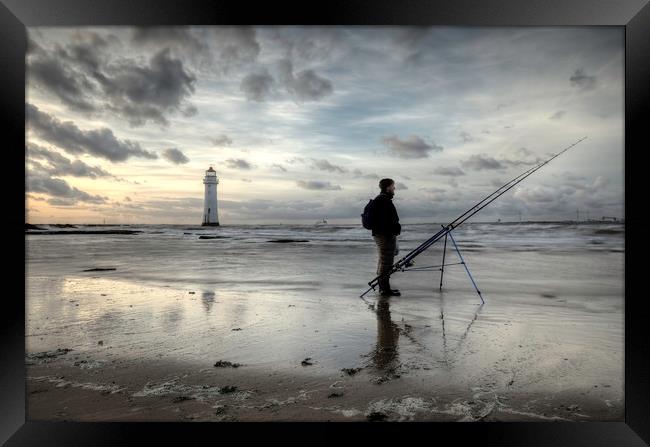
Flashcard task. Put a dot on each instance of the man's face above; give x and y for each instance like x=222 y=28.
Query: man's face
x=391 y=188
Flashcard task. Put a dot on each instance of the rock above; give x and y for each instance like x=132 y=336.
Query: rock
x=306 y=362
x=100 y=342
x=219 y=409
x=227 y=389
x=351 y=371
x=376 y=416
x=335 y=395
x=226 y=364
x=99 y=269
x=284 y=241
x=573 y=408
x=381 y=379
x=211 y=237
x=192 y=293
x=182 y=398
x=49 y=354
x=236 y=329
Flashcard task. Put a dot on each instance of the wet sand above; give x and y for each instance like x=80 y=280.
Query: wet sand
x=140 y=342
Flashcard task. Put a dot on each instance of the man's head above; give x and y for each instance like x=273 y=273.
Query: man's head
x=387 y=185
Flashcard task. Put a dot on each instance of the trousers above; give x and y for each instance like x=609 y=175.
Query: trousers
x=386 y=251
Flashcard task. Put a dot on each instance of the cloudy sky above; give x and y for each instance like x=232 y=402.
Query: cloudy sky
x=301 y=123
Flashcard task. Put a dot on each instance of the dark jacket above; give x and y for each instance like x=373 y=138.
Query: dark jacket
x=384 y=216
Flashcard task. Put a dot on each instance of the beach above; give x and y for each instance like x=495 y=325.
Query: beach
x=265 y=323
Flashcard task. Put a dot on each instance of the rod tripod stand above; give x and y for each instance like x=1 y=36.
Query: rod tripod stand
x=441 y=267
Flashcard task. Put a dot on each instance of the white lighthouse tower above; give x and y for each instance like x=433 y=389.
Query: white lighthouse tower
x=210 y=203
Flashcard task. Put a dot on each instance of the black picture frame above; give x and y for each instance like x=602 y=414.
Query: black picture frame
x=634 y=15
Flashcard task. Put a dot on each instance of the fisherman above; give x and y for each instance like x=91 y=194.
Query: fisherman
x=385 y=229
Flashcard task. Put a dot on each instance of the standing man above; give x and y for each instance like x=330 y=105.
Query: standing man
x=385 y=229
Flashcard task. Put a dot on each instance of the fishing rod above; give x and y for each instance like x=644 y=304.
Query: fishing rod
x=407 y=259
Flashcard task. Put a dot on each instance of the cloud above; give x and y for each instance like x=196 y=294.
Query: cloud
x=480 y=162
x=315 y=184
x=247 y=180
x=238 y=163
x=84 y=78
x=148 y=93
x=306 y=43
x=411 y=147
x=536 y=195
x=236 y=46
x=68 y=71
x=175 y=156
x=178 y=36
x=582 y=81
x=279 y=166
x=359 y=173
x=516 y=157
x=98 y=142
x=325 y=165
x=433 y=190
x=465 y=137
x=520 y=156
x=221 y=140
x=305 y=85
x=257 y=86
x=60 y=165
x=557 y=115
x=59 y=189
x=449 y=171
x=215 y=49
x=399 y=185
x=48 y=72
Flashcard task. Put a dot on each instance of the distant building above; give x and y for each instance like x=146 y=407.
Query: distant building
x=210 y=181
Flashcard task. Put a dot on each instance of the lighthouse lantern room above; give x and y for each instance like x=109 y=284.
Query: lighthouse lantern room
x=210 y=203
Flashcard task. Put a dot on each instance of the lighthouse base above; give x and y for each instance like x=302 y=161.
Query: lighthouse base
x=210 y=224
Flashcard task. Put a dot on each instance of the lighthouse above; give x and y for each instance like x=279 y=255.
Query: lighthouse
x=210 y=202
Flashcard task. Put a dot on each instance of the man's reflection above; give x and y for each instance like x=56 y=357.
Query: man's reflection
x=385 y=354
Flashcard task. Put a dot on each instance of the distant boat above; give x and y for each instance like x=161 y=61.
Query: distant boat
x=321 y=222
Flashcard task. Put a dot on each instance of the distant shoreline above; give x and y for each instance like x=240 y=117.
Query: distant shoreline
x=36 y=227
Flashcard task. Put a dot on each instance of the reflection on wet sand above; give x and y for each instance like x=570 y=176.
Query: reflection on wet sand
x=463 y=336
x=385 y=354
x=208 y=300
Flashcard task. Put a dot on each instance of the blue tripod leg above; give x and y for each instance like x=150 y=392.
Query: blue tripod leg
x=465 y=265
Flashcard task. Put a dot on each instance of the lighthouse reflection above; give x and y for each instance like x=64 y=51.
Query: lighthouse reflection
x=208 y=300
x=385 y=354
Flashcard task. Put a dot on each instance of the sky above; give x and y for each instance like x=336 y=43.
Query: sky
x=301 y=122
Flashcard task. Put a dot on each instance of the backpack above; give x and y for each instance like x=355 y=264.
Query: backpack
x=366 y=217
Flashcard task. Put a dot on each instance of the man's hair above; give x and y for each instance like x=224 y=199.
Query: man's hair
x=385 y=183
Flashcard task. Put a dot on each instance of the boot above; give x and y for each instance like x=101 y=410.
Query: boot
x=386 y=290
